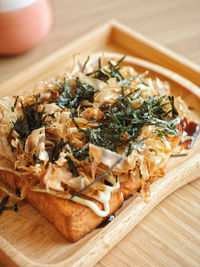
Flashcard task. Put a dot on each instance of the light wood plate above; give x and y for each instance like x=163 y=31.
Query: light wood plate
x=27 y=239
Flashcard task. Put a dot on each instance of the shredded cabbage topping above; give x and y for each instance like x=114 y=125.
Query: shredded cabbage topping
x=88 y=133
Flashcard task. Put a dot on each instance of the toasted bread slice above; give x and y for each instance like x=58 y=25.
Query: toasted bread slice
x=73 y=220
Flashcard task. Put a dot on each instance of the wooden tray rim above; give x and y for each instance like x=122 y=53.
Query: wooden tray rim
x=107 y=28
x=18 y=257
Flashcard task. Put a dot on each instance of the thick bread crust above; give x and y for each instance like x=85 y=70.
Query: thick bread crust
x=73 y=220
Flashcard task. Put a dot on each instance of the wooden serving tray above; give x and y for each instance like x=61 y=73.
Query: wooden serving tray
x=26 y=238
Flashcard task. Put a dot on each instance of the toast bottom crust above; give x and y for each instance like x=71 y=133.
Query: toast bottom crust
x=73 y=220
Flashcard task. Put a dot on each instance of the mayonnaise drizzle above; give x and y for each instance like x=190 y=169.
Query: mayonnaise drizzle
x=103 y=197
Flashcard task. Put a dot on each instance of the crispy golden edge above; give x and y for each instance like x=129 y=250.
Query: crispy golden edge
x=73 y=220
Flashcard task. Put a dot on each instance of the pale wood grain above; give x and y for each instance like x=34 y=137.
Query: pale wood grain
x=37 y=243
x=168 y=236
x=172 y=23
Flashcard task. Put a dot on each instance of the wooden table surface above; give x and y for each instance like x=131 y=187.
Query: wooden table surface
x=175 y=24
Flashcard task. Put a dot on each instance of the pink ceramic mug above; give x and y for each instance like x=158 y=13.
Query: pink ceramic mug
x=23 y=24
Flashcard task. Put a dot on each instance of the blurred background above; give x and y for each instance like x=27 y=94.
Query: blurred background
x=175 y=24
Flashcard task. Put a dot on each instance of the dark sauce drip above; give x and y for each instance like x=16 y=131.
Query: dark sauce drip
x=192 y=129
x=107 y=221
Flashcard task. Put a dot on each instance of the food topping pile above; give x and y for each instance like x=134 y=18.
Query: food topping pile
x=101 y=128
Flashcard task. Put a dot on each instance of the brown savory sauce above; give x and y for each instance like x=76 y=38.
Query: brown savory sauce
x=109 y=219
x=192 y=129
